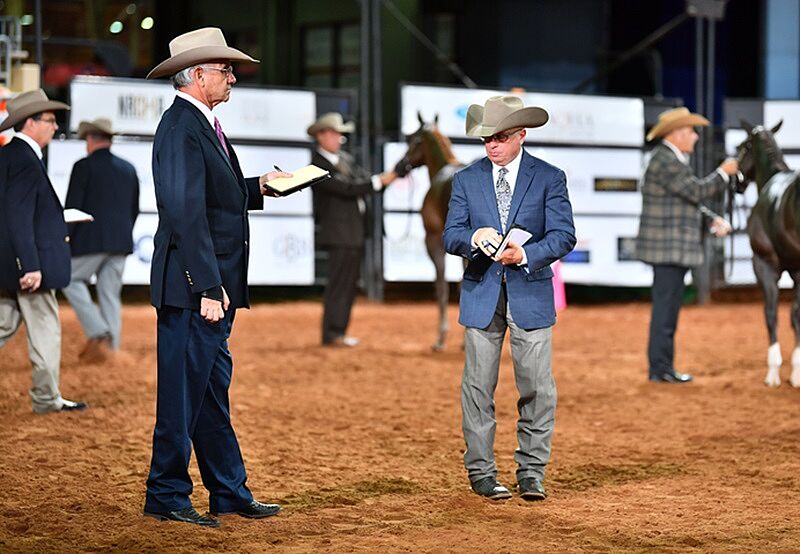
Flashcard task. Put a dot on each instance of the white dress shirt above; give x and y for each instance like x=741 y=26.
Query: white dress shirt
x=684 y=159
x=205 y=110
x=334 y=160
x=32 y=143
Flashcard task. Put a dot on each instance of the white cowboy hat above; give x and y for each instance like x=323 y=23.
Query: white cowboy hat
x=196 y=47
x=501 y=113
x=27 y=104
x=101 y=125
x=330 y=120
x=674 y=119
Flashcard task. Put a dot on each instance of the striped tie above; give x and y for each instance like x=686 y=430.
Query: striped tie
x=503 y=192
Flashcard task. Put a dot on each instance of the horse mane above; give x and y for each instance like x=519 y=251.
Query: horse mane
x=775 y=154
x=445 y=145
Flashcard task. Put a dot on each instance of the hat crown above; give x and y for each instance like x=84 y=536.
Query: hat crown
x=498 y=108
x=26 y=98
x=673 y=114
x=207 y=36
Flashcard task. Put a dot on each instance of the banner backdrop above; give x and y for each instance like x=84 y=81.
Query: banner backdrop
x=135 y=107
x=574 y=119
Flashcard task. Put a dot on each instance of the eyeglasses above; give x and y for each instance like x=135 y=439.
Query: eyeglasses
x=501 y=138
x=226 y=71
x=48 y=120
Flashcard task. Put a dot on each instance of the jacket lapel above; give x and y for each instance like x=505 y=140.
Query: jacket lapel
x=487 y=186
x=524 y=179
x=208 y=131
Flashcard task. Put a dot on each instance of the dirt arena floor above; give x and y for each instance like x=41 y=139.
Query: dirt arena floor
x=363 y=447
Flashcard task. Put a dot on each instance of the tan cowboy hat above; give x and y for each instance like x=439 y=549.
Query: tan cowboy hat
x=501 y=113
x=27 y=104
x=673 y=119
x=101 y=125
x=195 y=47
x=330 y=120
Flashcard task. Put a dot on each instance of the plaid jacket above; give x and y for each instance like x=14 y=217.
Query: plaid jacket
x=671 y=224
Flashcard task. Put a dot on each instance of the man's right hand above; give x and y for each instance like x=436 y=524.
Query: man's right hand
x=487 y=239
x=214 y=310
x=730 y=166
x=31 y=281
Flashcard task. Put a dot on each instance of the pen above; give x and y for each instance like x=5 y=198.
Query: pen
x=277 y=168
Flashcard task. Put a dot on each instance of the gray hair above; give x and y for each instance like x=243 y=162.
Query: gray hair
x=183 y=78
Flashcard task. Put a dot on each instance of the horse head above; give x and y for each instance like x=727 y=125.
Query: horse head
x=758 y=149
x=415 y=155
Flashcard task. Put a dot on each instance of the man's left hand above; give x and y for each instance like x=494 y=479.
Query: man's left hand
x=720 y=227
x=264 y=179
x=512 y=255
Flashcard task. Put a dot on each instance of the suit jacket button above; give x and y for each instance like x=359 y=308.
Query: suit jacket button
x=66 y=239
x=245 y=243
x=498 y=272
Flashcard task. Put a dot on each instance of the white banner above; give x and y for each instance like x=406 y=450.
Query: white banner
x=135 y=107
x=789 y=111
x=586 y=168
x=255 y=160
x=281 y=251
x=404 y=256
x=574 y=119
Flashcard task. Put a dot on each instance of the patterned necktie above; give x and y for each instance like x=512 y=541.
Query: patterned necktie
x=503 y=192
x=220 y=136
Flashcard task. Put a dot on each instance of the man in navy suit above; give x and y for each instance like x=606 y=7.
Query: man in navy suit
x=511 y=289
x=106 y=187
x=34 y=246
x=198 y=281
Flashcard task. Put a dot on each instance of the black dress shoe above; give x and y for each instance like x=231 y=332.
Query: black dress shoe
x=530 y=488
x=70 y=406
x=256 y=510
x=670 y=377
x=187 y=515
x=491 y=489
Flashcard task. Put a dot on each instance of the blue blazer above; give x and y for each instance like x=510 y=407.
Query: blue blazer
x=106 y=187
x=203 y=234
x=33 y=235
x=540 y=204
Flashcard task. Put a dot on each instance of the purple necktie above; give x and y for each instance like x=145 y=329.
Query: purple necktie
x=220 y=136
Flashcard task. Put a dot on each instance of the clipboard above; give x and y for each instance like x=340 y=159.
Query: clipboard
x=300 y=179
x=74 y=215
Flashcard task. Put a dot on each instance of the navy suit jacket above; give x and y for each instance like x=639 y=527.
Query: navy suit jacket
x=203 y=234
x=106 y=187
x=540 y=204
x=33 y=235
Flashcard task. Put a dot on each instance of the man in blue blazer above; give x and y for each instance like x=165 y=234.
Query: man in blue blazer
x=106 y=187
x=198 y=281
x=511 y=289
x=34 y=246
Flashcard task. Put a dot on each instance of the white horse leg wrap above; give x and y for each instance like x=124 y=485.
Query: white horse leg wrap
x=774 y=361
x=795 y=378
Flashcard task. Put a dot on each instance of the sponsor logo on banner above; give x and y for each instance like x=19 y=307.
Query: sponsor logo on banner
x=140 y=106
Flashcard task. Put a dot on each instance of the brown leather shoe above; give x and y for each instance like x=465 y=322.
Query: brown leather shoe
x=98 y=350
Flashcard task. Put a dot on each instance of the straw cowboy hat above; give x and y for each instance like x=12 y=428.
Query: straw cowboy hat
x=501 y=113
x=196 y=47
x=674 y=119
x=330 y=120
x=27 y=104
x=101 y=125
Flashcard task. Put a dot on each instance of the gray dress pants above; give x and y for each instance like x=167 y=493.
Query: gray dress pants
x=39 y=311
x=531 y=352
x=105 y=320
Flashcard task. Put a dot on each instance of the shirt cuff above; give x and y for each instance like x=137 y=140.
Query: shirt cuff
x=377 y=186
x=524 y=262
x=725 y=176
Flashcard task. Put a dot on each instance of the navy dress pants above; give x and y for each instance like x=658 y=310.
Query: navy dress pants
x=667 y=299
x=194 y=374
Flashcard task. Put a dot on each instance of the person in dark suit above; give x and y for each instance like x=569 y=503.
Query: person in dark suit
x=106 y=187
x=198 y=281
x=510 y=290
x=339 y=207
x=34 y=246
x=670 y=229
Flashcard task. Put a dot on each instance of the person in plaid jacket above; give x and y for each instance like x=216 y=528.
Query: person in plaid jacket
x=670 y=228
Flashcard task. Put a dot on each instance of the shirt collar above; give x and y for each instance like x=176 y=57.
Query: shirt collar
x=512 y=166
x=330 y=156
x=205 y=110
x=32 y=143
x=683 y=157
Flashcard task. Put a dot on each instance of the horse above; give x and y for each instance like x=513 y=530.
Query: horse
x=773 y=228
x=427 y=146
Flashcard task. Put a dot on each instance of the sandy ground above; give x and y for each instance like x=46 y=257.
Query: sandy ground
x=363 y=447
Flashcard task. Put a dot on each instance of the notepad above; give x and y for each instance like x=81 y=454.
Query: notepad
x=516 y=235
x=74 y=215
x=300 y=179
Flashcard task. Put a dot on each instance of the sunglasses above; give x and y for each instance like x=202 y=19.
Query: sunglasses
x=501 y=138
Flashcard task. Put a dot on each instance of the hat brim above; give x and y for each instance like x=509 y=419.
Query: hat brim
x=663 y=128
x=315 y=128
x=529 y=118
x=86 y=127
x=29 y=110
x=194 y=56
